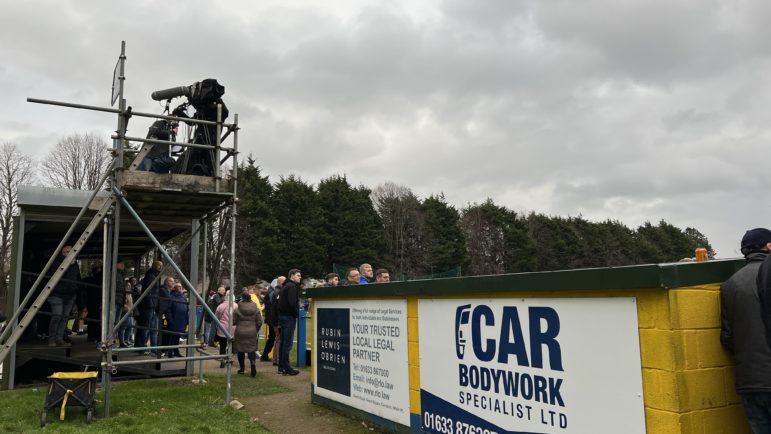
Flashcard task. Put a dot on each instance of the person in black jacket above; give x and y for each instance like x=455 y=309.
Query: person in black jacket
x=288 y=311
x=148 y=317
x=271 y=320
x=62 y=299
x=763 y=281
x=159 y=159
x=743 y=333
x=164 y=298
x=93 y=284
x=120 y=294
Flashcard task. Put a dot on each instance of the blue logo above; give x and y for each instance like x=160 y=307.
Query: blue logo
x=462 y=314
x=542 y=327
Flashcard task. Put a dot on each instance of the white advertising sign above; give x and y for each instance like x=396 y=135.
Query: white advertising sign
x=361 y=356
x=530 y=366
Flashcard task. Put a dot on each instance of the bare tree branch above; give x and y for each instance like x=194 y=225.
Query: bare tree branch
x=15 y=169
x=77 y=162
x=399 y=210
x=218 y=241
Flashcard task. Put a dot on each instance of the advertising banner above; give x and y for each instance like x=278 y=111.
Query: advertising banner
x=361 y=356
x=530 y=366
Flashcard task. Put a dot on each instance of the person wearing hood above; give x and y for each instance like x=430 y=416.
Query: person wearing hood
x=247 y=319
x=743 y=333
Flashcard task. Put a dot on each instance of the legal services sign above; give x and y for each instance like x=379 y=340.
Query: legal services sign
x=530 y=366
x=361 y=356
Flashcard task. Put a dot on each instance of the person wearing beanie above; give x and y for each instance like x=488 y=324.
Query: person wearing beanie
x=756 y=240
x=743 y=332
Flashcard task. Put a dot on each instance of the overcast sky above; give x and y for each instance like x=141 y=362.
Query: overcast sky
x=630 y=110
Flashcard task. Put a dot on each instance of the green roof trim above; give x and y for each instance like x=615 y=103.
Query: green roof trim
x=652 y=276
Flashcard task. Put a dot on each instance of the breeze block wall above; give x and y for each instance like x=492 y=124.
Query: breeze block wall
x=688 y=378
x=413 y=356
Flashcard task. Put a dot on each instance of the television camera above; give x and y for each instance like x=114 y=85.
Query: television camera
x=203 y=96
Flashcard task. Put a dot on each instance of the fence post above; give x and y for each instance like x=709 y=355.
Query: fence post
x=301 y=347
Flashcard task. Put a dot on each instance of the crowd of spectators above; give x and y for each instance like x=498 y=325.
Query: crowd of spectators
x=156 y=311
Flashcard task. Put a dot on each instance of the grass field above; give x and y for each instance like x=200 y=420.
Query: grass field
x=147 y=406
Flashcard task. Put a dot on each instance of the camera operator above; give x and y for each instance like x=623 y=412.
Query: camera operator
x=159 y=159
x=205 y=96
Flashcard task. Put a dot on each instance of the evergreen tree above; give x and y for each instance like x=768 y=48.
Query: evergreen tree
x=351 y=227
x=293 y=225
x=257 y=235
x=698 y=239
x=617 y=244
x=298 y=214
x=484 y=239
x=552 y=249
x=585 y=250
x=520 y=247
x=670 y=243
x=444 y=244
x=497 y=240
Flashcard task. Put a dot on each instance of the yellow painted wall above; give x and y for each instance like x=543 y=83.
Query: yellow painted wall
x=688 y=378
x=413 y=354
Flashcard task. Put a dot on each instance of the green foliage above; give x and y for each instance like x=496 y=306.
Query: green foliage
x=258 y=238
x=444 y=243
x=498 y=240
x=293 y=224
x=698 y=239
x=296 y=209
x=617 y=244
x=667 y=243
x=351 y=228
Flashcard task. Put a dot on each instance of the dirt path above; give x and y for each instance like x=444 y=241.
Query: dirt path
x=292 y=412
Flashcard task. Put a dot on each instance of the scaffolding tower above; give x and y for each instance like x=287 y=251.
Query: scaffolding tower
x=139 y=193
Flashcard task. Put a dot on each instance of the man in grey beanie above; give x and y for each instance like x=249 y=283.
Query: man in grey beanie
x=744 y=333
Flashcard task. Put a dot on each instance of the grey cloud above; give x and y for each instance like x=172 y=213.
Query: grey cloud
x=653 y=42
x=688 y=118
x=634 y=110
